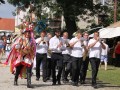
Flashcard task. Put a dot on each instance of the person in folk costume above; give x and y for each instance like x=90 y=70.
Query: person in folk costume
x=22 y=55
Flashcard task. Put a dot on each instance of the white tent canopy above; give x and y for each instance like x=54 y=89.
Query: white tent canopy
x=112 y=33
x=108 y=32
x=103 y=32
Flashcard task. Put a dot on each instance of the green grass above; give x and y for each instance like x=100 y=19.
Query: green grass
x=112 y=75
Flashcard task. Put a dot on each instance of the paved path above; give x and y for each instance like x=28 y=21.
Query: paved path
x=6 y=83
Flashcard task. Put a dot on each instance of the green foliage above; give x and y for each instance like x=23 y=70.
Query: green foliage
x=111 y=76
x=70 y=9
x=2 y=1
x=111 y=15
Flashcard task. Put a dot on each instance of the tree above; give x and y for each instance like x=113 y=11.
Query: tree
x=111 y=15
x=70 y=9
x=85 y=9
x=2 y=1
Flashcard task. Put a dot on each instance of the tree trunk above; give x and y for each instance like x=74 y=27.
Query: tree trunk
x=70 y=25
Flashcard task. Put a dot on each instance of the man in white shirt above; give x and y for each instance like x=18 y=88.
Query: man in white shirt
x=84 y=66
x=95 y=46
x=76 y=56
x=41 y=55
x=56 y=45
x=66 y=57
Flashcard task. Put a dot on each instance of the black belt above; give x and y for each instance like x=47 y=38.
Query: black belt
x=56 y=53
x=66 y=54
x=42 y=53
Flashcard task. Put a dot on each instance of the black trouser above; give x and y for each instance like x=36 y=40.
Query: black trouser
x=117 y=60
x=66 y=66
x=95 y=62
x=76 y=66
x=83 y=71
x=41 y=58
x=57 y=60
x=18 y=70
x=49 y=63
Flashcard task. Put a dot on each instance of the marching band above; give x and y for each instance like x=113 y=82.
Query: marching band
x=70 y=57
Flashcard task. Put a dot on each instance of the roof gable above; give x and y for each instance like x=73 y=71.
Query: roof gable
x=7 y=24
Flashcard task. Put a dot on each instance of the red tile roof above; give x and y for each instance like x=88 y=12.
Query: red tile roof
x=7 y=24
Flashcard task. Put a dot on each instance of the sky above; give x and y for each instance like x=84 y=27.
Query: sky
x=6 y=10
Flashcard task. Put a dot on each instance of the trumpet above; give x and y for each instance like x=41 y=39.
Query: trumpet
x=43 y=41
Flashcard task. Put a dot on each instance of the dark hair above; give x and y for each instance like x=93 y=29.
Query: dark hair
x=57 y=30
x=43 y=32
x=96 y=32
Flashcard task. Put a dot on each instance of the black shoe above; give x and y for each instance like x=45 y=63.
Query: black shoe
x=48 y=78
x=65 y=81
x=59 y=83
x=30 y=86
x=53 y=83
x=75 y=84
x=15 y=83
x=94 y=86
x=45 y=79
x=82 y=82
x=37 y=79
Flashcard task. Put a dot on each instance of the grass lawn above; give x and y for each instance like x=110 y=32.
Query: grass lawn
x=112 y=75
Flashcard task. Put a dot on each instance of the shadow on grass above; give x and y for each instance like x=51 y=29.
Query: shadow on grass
x=100 y=84
x=38 y=85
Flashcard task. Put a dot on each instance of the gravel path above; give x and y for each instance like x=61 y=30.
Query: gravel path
x=6 y=83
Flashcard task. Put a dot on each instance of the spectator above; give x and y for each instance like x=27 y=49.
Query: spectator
x=104 y=54
x=117 y=54
x=1 y=48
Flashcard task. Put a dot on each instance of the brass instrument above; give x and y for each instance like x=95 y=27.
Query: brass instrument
x=49 y=52
x=67 y=43
x=85 y=53
x=43 y=40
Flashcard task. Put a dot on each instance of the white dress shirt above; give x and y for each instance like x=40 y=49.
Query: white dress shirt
x=77 y=50
x=95 y=51
x=53 y=43
x=41 y=48
x=66 y=50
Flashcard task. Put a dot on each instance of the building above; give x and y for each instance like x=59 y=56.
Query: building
x=7 y=25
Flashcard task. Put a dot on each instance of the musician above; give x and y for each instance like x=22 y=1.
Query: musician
x=84 y=67
x=49 y=64
x=95 y=46
x=76 y=56
x=41 y=56
x=55 y=45
x=66 y=57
